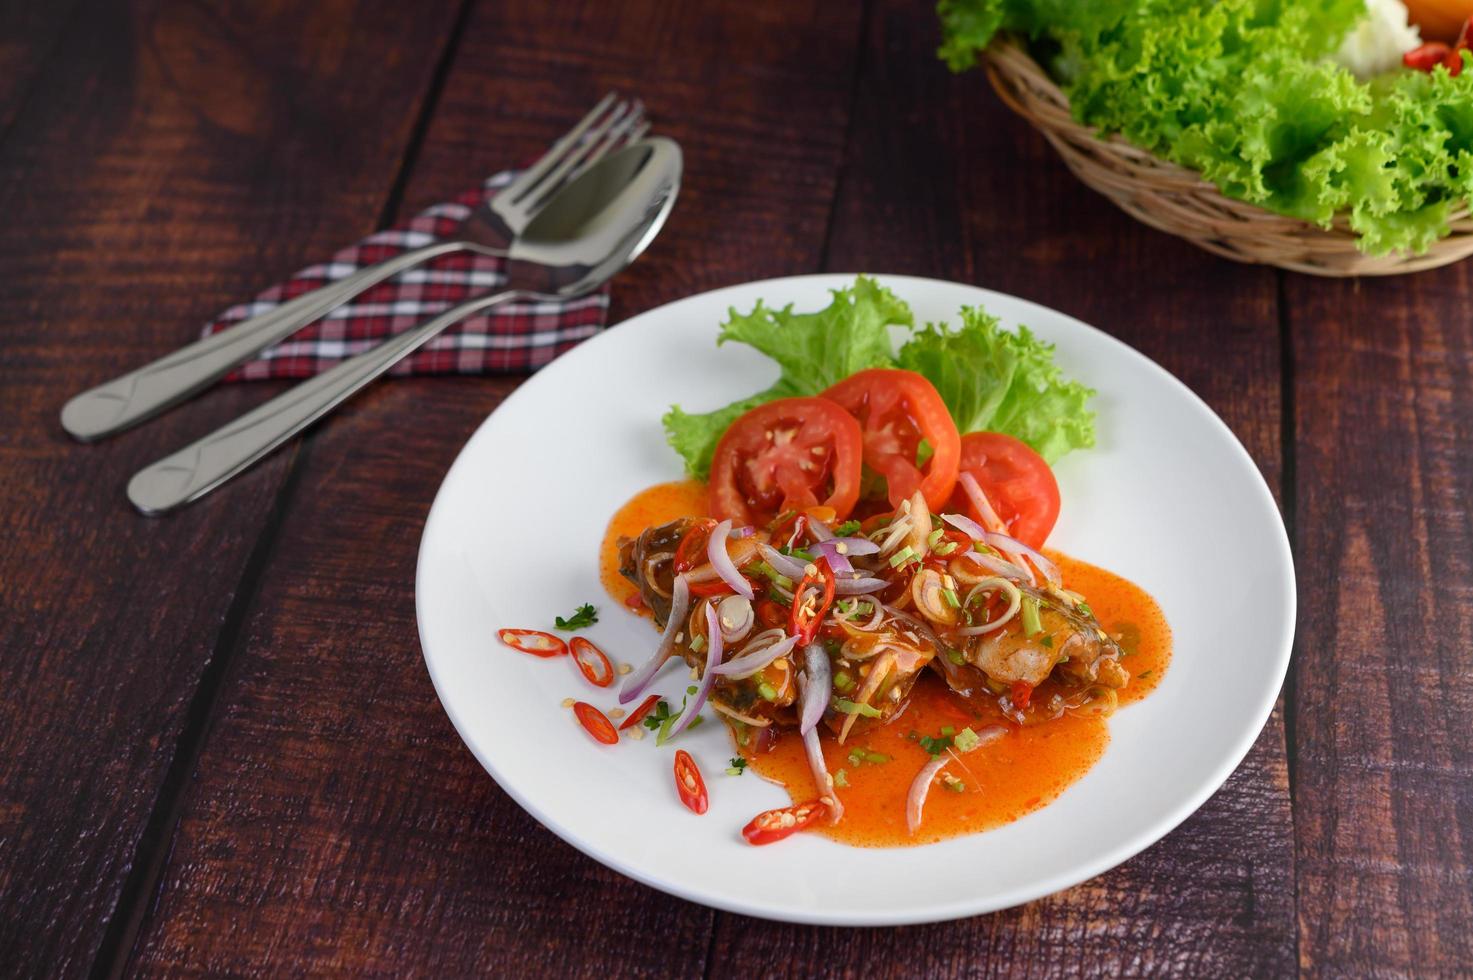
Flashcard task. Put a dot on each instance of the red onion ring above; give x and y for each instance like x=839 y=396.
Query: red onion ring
x=858 y=586
x=984 y=506
x=1004 y=543
x=791 y=567
x=636 y=682
x=721 y=561
x=966 y=525
x=821 y=777
x=708 y=676
x=1015 y=602
x=749 y=663
x=1000 y=567
x=818 y=686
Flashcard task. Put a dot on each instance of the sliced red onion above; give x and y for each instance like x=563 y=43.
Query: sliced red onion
x=721 y=561
x=820 y=530
x=737 y=533
x=736 y=617
x=1000 y=567
x=1004 y=543
x=838 y=550
x=836 y=558
x=984 y=506
x=708 y=676
x=787 y=565
x=966 y=525
x=818 y=686
x=858 y=586
x=915 y=800
x=821 y=777
x=636 y=682
x=750 y=663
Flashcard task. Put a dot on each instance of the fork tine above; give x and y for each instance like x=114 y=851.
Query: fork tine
x=560 y=173
x=555 y=153
x=624 y=132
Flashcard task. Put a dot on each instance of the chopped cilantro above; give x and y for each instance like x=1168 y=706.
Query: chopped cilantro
x=586 y=615
x=737 y=767
x=847 y=529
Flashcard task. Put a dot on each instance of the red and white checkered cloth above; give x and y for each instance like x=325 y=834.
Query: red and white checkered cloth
x=510 y=337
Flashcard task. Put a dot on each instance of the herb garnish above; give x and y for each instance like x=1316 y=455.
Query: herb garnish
x=586 y=615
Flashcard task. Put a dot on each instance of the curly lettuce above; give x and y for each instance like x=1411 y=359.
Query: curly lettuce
x=989 y=378
x=1244 y=92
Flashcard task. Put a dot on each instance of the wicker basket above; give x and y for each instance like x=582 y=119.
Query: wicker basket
x=1180 y=202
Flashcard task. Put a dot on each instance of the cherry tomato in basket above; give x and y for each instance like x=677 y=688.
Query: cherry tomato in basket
x=1018 y=483
x=773 y=825
x=897 y=410
x=689 y=784
x=592 y=662
x=788 y=454
x=535 y=642
x=637 y=715
x=596 y=723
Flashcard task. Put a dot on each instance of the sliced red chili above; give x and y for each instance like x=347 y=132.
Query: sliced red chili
x=691 y=552
x=597 y=724
x=689 y=784
x=712 y=587
x=1022 y=694
x=806 y=617
x=535 y=642
x=637 y=715
x=773 y=825
x=592 y=661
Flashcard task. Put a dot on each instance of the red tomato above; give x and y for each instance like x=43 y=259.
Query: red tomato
x=896 y=410
x=596 y=722
x=1022 y=693
x=637 y=715
x=773 y=825
x=535 y=642
x=1018 y=483
x=593 y=662
x=689 y=784
x=1428 y=56
x=789 y=454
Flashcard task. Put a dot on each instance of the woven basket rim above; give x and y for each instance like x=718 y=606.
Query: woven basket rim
x=1180 y=201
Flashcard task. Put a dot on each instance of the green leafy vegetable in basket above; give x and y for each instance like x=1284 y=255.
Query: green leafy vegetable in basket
x=988 y=377
x=1243 y=91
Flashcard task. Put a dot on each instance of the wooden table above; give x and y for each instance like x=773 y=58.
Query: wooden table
x=219 y=749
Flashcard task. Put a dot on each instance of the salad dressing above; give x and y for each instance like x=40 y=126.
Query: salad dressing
x=1024 y=771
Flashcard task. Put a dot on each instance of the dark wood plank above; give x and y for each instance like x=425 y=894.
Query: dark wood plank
x=173 y=158
x=28 y=36
x=1383 y=691
x=337 y=824
x=943 y=181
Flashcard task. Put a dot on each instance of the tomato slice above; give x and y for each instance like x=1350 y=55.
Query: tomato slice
x=535 y=642
x=1018 y=483
x=896 y=410
x=773 y=825
x=597 y=724
x=788 y=454
x=689 y=784
x=592 y=661
x=637 y=715
x=806 y=617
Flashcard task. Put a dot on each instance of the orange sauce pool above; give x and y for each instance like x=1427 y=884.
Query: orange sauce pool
x=1025 y=770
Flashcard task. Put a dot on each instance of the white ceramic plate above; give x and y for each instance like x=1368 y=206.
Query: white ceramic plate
x=1169 y=499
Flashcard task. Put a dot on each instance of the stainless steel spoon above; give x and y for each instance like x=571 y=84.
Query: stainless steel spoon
x=592 y=228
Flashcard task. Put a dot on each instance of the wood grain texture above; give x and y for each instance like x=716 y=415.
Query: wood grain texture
x=172 y=159
x=337 y=824
x=941 y=180
x=1384 y=666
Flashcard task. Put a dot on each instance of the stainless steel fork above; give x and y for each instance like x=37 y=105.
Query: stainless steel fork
x=127 y=400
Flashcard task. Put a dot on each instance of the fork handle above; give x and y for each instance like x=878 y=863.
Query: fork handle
x=127 y=400
x=198 y=468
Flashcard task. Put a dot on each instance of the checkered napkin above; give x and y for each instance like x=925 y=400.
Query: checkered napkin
x=510 y=337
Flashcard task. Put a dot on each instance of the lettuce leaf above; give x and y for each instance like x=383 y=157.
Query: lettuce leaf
x=1243 y=91
x=1000 y=381
x=990 y=378
x=815 y=351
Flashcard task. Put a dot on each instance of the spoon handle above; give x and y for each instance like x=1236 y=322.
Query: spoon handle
x=127 y=400
x=199 y=467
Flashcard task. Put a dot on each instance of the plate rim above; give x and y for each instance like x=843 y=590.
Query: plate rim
x=1169 y=820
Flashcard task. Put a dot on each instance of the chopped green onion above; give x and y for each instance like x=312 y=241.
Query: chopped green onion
x=846 y=529
x=1032 y=625
x=1083 y=607
x=934 y=538
x=691 y=689
x=697 y=643
x=737 y=767
x=902 y=556
x=946 y=547
x=843 y=681
x=855 y=708
x=955 y=656
x=948 y=730
x=951 y=599
x=876 y=758
x=767 y=691
x=966 y=740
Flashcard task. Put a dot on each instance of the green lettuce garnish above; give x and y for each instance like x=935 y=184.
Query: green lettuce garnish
x=1243 y=91
x=990 y=378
